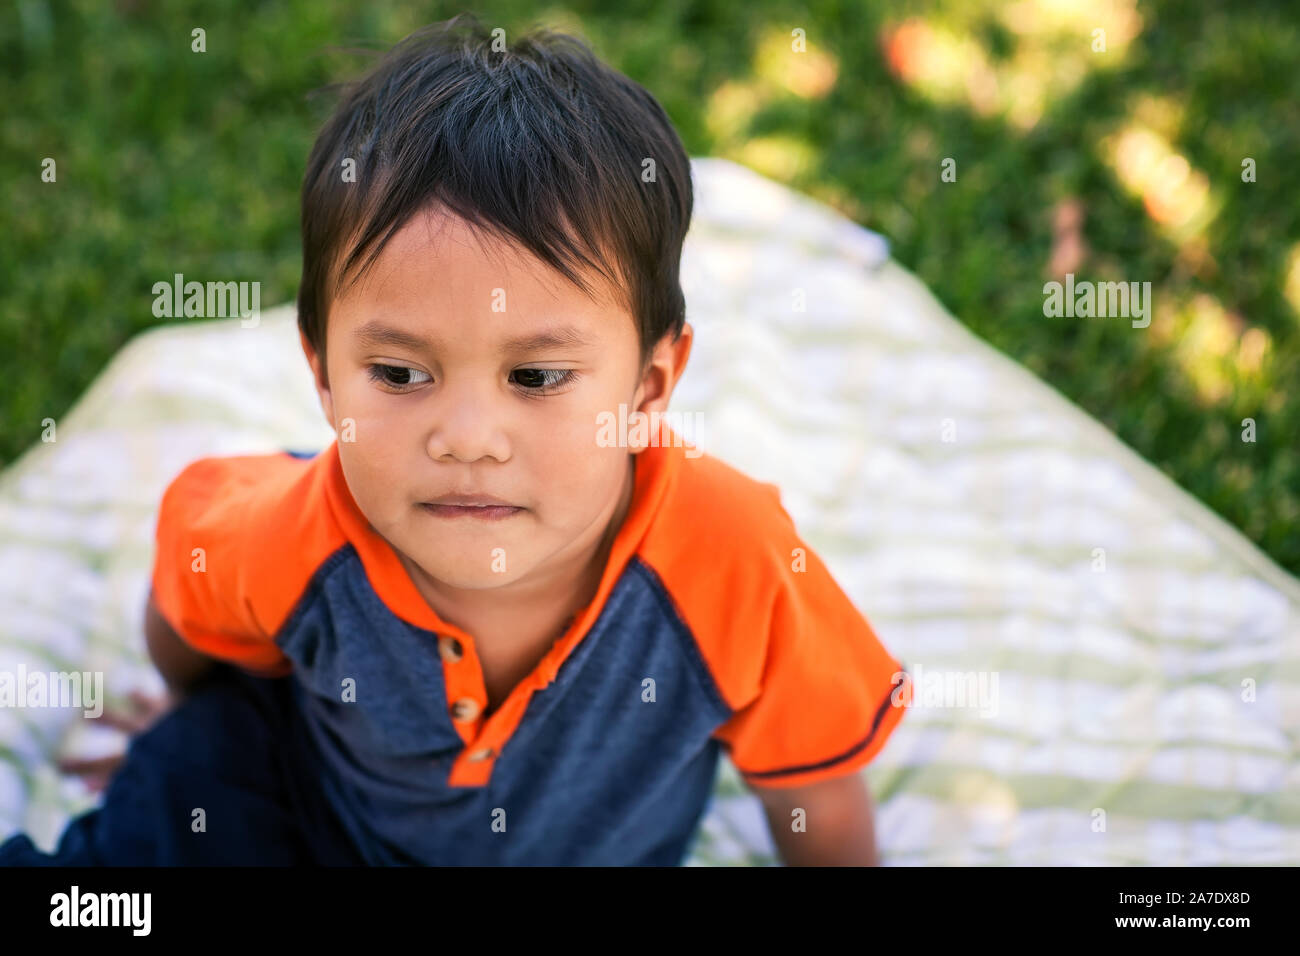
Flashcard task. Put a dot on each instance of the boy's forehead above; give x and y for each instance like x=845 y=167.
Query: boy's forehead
x=439 y=264
x=445 y=250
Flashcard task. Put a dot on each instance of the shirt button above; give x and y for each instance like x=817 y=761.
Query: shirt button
x=466 y=708
x=483 y=754
x=449 y=649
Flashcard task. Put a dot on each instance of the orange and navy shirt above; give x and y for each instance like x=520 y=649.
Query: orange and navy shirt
x=714 y=628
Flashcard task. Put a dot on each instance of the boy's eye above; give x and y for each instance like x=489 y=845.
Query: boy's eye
x=543 y=379
x=397 y=376
x=531 y=380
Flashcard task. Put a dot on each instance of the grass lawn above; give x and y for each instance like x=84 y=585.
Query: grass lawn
x=1116 y=164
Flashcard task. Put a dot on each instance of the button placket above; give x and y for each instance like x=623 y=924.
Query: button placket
x=464 y=692
x=465 y=709
x=450 y=649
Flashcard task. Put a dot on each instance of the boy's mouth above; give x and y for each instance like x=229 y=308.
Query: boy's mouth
x=470 y=506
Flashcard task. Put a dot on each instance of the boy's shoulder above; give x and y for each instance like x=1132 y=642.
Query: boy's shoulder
x=237 y=541
x=811 y=686
x=267 y=504
x=717 y=513
x=726 y=550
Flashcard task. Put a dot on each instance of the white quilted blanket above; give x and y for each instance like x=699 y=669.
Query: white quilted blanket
x=1145 y=656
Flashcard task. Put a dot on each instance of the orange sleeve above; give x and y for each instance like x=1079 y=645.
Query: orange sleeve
x=827 y=702
x=201 y=573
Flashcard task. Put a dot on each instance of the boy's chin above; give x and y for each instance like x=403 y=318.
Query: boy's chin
x=470 y=570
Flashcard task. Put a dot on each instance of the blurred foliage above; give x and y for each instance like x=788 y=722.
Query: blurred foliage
x=1122 y=164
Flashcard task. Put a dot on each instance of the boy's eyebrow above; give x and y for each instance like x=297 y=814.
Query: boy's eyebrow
x=375 y=333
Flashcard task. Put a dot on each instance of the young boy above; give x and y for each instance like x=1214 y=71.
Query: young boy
x=479 y=629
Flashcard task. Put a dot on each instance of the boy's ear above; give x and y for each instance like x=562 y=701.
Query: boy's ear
x=318 y=379
x=665 y=368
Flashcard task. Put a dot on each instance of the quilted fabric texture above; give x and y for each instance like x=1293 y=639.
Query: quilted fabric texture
x=1142 y=658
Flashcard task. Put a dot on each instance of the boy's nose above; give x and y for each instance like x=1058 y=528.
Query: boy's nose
x=467 y=425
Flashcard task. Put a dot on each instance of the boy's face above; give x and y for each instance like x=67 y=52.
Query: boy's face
x=420 y=359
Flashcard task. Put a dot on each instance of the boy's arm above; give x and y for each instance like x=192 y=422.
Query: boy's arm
x=838 y=822
x=180 y=665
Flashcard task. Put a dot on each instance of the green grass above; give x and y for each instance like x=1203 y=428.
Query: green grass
x=171 y=161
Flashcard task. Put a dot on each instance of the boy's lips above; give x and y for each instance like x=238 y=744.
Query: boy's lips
x=483 y=507
x=470 y=501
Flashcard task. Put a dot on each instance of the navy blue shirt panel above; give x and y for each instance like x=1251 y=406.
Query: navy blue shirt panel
x=594 y=774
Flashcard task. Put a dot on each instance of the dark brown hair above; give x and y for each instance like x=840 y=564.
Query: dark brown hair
x=537 y=142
